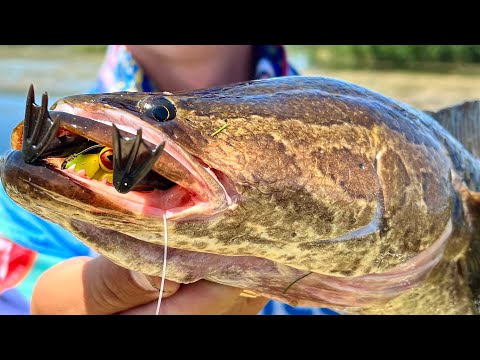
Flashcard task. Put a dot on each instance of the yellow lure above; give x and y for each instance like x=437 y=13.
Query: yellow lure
x=93 y=165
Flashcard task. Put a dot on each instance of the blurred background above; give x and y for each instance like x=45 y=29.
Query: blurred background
x=429 y=77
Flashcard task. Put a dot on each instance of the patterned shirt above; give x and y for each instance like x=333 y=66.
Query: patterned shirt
x=119 y=72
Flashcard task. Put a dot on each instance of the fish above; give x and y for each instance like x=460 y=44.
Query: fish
x=308 y=190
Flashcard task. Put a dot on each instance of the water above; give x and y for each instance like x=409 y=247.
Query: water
x=11 y=108
x=12 y=111
x=50 y=70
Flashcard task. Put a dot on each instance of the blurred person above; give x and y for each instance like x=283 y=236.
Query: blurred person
x=91 y=284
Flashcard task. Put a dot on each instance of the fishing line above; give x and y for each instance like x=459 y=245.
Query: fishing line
x=73 y=156
x=165 y=234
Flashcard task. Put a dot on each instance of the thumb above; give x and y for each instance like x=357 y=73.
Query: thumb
x=84 y=285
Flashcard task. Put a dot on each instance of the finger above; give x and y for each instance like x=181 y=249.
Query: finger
x=204 y=298
x=93 y=286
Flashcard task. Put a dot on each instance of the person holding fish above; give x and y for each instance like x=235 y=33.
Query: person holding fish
x=89 y=284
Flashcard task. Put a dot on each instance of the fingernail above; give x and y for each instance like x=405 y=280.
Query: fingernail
x=170 y=286
x=156 y=281
x=143 y=281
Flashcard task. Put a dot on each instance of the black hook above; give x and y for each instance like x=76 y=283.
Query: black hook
x=39 y=129
x=132 y=160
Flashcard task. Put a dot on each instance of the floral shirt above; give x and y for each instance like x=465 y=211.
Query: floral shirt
x=52 y=244
x=120 y=71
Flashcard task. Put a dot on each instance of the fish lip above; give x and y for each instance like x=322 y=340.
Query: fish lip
x=176 y=164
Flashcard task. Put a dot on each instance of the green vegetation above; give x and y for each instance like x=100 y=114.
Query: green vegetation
x=419 y=57
x=430 y=58
x=65 y=48
x=88 y=48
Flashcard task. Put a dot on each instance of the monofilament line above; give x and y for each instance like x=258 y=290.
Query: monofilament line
x=165 y=235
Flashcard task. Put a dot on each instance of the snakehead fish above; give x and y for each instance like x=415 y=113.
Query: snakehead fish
x=308 y=190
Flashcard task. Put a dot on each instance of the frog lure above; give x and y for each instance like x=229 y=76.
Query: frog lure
x=97 y=165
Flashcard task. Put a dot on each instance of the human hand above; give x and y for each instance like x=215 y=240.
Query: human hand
x=84 y=285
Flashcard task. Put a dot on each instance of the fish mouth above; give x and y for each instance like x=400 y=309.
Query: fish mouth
x=175 y=184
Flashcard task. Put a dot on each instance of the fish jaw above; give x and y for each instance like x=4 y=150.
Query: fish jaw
x=199 y=192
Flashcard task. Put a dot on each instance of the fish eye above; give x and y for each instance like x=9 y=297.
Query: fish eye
x=163 y=110
x=105 y=158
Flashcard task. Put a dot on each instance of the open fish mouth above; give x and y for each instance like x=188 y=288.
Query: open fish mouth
x=120 y=155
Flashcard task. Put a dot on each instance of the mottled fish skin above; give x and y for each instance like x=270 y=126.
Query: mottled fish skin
x=338 y=186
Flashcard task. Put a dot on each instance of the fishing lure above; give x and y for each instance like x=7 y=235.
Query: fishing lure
x=97 y=166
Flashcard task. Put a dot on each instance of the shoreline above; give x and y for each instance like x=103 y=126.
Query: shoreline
x=64 y=70
x=51 y=51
